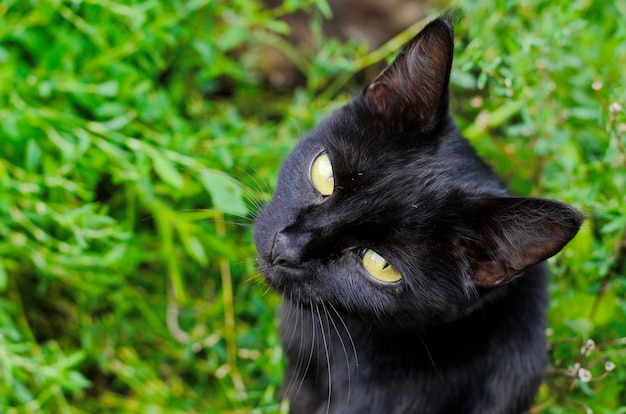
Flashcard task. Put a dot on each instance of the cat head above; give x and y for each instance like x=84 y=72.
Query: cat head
x=386 y=212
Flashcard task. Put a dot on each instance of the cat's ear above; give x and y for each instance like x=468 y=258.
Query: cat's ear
x=413 y=90
x=507 y=235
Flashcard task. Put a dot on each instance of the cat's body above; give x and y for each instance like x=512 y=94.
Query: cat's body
x=491 y=362
x=452 y=319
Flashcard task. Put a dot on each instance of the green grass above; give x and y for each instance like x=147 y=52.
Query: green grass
x=137 y=140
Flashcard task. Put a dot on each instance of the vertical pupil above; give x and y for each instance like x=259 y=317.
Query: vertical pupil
x=380 y=261
x=378 y=267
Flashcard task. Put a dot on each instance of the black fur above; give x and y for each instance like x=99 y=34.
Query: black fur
x=463 y=331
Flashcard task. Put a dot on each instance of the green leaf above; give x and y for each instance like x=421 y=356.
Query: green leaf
x=291 y=5
x=226 y=192
x=492 y=119
x=109 y=88
x=323 y=7
x=8 y=123
x=463 y=80
x=587 y=114
x=70 y=361
x=278 y=26
x=76 y=381
x=194 y=247
x=163 y=167
x=616 y=224
x=232 y=37
x=504 y=113
x=33 y=155
x=607 y=307
x=205 y=50
x=482 y=80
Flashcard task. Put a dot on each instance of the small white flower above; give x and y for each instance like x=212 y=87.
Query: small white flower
x=609 y=366
x=596 y=86
x=584 y=375
x=615 y=107
x=589 y=346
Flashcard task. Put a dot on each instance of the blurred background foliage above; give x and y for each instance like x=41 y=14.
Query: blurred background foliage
x=138 y=138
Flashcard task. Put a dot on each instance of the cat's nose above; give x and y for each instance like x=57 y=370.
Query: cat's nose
x=288 y=249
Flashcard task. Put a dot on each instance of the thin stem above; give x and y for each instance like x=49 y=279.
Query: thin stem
x=229 y=313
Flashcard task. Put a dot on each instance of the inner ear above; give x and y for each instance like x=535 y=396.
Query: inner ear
x=502 y=237
x=413 y=90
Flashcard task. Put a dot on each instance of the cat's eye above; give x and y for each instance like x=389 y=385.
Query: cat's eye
x=379 y=268
x=322 y=175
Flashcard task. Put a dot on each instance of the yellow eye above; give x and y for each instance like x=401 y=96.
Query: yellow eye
x=322 y=175
x=377 y=266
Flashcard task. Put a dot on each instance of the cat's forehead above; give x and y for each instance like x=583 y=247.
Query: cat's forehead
x=358 y=147
x=354 y=141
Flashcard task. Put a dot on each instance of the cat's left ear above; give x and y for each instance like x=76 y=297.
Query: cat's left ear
x=412 y=92
x=507 y=235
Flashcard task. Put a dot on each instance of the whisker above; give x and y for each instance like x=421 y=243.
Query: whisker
x=248 y=226
x=313 y=343
x=293 y=313
x=257 y=196
x=430 y=356
x=258 y=281
x=263 y=185
x=300 y=360
x=242 y=217
x=356 y=356
x=330 y=377
x=293 y=331
x=345 y=353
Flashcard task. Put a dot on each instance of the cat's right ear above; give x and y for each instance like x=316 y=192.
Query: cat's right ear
x=504 y=236
x=412 y=93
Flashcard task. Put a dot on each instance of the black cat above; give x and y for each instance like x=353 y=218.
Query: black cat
x=412 y=280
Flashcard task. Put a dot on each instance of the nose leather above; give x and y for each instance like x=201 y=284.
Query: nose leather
x=288 y=249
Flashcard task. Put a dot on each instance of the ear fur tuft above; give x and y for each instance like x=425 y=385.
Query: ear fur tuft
x=507 y=235
x=414 y=88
